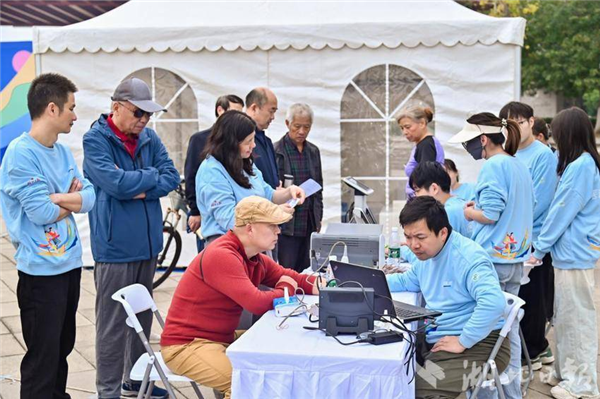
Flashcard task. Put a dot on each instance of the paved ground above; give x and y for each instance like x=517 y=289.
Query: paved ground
x=81 y=382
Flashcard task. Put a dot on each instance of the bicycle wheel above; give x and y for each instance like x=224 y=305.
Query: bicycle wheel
x=167 y=259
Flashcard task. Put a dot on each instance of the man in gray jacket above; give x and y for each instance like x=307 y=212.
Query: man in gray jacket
x=298 y=157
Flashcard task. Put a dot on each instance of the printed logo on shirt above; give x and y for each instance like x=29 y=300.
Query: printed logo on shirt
x=447 y=284
x=33 y=180
x=215 y=204
x=510 y=248
x=54 y=244
x=594 y=243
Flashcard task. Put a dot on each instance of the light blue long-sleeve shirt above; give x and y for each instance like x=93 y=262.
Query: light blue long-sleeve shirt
x=455 y=209
x=461 y=282
x=217 y=195
x=504 y=192
x=541 y=162
x=466 y=192
x=571 y=231
x=30 y=172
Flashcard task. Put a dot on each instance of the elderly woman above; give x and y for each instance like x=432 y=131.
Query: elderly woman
x=413 y=122
x=228 y=175
x=300 y=158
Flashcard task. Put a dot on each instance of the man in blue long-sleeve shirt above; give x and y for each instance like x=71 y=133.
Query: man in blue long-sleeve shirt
x=261 y=106
x=40 y=189
x=131 y=170
x=457 y=278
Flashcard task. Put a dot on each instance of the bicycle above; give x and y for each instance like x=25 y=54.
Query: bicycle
x=167 y=259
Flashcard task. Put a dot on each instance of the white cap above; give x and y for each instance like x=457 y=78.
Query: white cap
x=470 y=131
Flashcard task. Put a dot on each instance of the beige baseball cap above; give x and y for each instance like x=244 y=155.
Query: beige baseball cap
x=256 y=209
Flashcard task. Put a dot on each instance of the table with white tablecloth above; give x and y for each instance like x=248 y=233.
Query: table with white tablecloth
x=299 y=363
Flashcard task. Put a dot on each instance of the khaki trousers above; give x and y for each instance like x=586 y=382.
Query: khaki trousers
x=203 y=361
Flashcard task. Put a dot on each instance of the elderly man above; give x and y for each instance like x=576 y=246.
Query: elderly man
x=300 y=158
x=218 y=284
x=261 y=105
x=457 y=278
x=194 y=159
x=130 y=169
x=40 y=189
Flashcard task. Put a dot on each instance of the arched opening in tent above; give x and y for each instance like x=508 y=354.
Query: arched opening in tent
x=373 y=149
x=175 y=126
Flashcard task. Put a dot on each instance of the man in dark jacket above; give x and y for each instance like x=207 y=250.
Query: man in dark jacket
x=261 y=106
x=131 y=170
x=194 y=159
x=301 y=159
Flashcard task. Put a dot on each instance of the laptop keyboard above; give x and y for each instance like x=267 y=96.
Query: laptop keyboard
x=403 y=313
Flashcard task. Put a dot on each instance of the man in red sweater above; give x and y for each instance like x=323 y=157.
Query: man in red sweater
x=219 y=283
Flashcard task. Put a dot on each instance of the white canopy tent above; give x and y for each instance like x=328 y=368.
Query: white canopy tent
x=355 y=64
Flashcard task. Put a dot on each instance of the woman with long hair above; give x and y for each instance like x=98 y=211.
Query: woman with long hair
x=502 y=211
x=413 y=121
x=228 y=174
x=571 y=233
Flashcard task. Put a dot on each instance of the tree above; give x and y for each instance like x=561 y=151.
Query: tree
x=562 y=46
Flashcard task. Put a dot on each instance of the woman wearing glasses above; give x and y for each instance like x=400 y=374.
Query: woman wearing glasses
x=571 y=233
x=413 y=121
x=502 y=210
x=228 y=174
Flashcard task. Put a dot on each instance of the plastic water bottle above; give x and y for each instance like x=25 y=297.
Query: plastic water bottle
x=394 y=248
x=329 y=272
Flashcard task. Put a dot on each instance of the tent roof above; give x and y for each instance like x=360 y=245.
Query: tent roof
x=143 y=25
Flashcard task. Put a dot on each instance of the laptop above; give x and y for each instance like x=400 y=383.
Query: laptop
x=375 y=278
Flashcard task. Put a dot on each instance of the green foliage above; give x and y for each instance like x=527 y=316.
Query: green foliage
x=562 y=50
x=562 y=45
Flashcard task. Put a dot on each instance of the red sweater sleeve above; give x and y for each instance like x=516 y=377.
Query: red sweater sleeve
x=274 y=271
x=226 y=272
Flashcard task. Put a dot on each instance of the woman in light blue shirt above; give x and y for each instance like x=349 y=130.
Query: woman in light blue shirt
x=228 y=174
x=464 y=191
x=571 y=233
x=502 y=210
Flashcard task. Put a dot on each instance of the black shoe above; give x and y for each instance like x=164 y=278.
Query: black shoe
x=132 y=389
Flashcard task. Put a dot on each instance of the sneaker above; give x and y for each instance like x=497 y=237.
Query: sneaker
x=546 y=357
x=549 y=378
x=536 y=364
x=561 y=393
x=132 y=389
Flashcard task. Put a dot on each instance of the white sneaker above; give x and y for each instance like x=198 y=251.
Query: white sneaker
x=549 y=378
x=561 y=393
x=154 y=338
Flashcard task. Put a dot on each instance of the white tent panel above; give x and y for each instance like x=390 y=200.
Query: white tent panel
x=306 y=52
x=143 y=26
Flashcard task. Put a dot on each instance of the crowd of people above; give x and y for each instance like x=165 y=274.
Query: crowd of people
x=467 y=242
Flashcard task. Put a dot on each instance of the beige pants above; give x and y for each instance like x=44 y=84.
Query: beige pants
x=203 y=361
x=576 y=331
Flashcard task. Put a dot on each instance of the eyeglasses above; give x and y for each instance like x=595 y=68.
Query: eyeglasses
x=138 y=113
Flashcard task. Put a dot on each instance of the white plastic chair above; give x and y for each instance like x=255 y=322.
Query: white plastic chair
x=150 y=367
x=512 y=311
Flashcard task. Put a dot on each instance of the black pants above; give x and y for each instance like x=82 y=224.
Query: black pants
x=538 y=295
x=48 y=305
x=294 y=252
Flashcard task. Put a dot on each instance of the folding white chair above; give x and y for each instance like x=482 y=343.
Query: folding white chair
x=150 y=367
x=512 y=311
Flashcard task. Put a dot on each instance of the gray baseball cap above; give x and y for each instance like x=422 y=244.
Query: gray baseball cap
x=137 y=92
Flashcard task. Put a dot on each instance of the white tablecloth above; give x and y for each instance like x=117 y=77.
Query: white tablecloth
x=298 y=363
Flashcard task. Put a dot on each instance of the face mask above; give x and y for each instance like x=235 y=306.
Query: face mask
x=475 y=148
